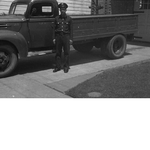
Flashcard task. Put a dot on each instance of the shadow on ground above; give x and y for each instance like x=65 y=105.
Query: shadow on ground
x=45 y=62
x=139 y=43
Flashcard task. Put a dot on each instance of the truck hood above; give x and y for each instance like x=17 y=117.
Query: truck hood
x=11 y=22
x=11 y=18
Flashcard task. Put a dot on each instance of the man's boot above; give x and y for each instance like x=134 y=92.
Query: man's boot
x=58 y=64
x=66 y=69
x=66 y=64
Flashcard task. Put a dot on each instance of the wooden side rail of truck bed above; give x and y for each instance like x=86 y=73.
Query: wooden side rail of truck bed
x=99 y=26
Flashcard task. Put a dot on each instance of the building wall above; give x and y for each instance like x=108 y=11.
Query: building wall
x=75 y=6
x=122 y=6
x=4 y=5
x=81 y=7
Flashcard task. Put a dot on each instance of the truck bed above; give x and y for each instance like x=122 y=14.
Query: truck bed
x=98 y=26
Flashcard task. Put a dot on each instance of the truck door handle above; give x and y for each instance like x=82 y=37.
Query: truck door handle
x=5 y=25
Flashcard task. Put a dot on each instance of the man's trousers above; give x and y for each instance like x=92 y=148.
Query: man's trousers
x=62 y=43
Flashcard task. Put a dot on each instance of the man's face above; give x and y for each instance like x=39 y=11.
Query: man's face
x=63 y=10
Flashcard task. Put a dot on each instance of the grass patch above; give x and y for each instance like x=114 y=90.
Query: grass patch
x=130 y=81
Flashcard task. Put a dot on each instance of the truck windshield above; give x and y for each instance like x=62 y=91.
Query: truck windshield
x=18 y=9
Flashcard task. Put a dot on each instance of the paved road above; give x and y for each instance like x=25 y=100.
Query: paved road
x=34 y=77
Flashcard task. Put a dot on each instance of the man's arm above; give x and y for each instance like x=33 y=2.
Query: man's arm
x=54 y=27
x=71 y=31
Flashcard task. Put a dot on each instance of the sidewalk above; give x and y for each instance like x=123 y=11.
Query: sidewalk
x=86 y=71
x=20 y=86
x=46 y=84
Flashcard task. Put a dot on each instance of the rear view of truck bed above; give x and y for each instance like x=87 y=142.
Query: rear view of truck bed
x=107 y=32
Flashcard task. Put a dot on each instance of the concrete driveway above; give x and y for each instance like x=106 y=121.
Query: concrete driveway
x=34 y=77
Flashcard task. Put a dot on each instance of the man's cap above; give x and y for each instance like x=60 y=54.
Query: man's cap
x=63 y=5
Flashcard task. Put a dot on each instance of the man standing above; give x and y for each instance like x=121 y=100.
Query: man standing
x=62 y=37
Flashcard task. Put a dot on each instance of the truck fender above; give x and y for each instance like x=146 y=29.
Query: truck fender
x=17 y=40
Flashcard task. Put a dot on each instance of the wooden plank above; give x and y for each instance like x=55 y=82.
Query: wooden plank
x=75 y=6
x=4 y=5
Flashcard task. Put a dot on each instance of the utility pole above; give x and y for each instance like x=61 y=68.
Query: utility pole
x=96 y=7
x=108 y=7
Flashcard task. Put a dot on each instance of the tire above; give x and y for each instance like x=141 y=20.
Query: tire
x=8 y=60
x=87 y=47
x=116 y=47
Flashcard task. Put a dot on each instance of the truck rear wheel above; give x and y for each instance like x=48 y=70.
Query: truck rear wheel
x=86 y=47
x=116 y=47
x=8 y=60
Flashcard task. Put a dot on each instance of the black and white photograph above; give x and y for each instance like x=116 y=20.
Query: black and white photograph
x=74 y=49
x=74 y=74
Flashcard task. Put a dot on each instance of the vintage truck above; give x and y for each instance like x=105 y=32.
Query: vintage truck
x=29 y=27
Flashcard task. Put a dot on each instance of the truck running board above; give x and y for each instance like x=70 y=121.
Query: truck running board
x=39 y=53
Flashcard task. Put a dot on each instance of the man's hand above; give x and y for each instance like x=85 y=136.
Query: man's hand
x=71 y=42
x=54 y=41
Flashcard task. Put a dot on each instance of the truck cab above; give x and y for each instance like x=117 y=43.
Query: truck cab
x=27 y=27
x=37 y=21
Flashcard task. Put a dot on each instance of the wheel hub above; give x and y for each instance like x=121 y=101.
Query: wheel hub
x=4 y=59
x=117 y=46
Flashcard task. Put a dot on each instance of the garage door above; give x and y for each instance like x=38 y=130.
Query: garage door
x=142 y=8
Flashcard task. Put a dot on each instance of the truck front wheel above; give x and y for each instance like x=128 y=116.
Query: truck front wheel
x=86 y=47
x=116 y=47
x=8 y=60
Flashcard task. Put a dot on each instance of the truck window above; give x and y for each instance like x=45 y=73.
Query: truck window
x=46 y=9
x=18 y=9
x=41 y=10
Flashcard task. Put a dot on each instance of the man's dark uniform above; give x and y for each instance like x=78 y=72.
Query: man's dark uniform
x=63 y=35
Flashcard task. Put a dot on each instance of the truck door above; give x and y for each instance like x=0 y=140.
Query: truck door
x=40 y=25
x=142 y=8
